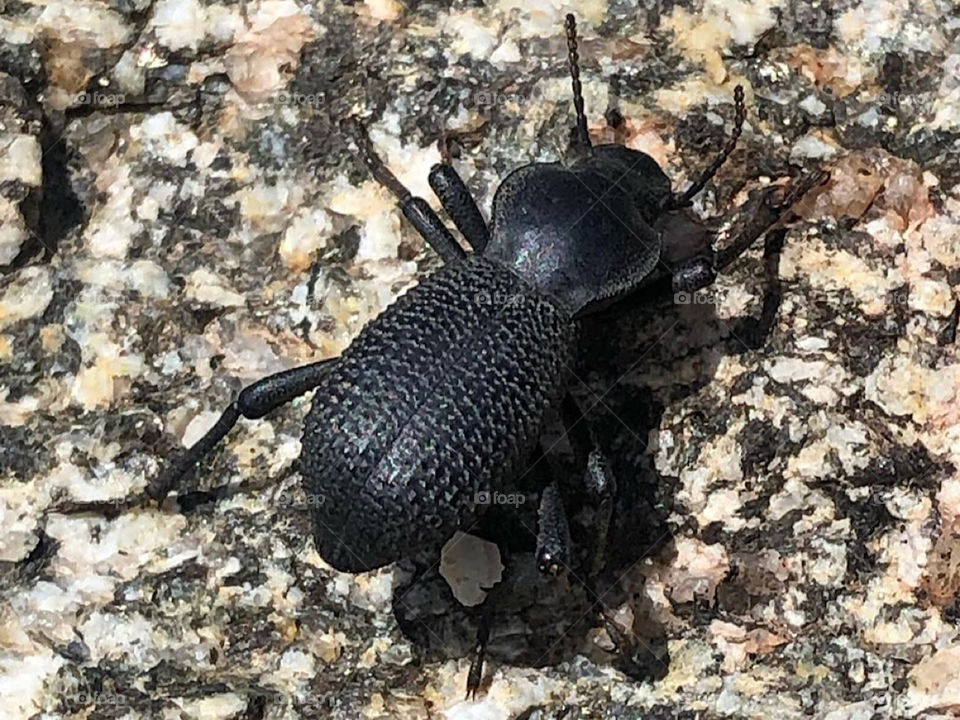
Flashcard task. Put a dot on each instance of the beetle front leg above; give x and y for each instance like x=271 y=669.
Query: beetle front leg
x=475 y=673
x=460 y=205
x=414 y=208
x=763 y=213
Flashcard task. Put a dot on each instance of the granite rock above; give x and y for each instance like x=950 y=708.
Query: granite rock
x=180 y=215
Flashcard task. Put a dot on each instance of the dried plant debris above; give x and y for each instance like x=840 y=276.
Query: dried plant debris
x=180 y=215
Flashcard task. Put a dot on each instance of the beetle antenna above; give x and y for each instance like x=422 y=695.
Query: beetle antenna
x=741 y=110
x=573 y=59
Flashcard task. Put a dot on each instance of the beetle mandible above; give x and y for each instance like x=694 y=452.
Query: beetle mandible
x=442 y=397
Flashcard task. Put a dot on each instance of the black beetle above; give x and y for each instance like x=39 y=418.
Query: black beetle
x=442 y=397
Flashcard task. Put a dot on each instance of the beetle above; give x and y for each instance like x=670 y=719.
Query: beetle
x=442 y=397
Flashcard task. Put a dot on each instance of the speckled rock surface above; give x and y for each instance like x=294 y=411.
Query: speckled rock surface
x=179 y=215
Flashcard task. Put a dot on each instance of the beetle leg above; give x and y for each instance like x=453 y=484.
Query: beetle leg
x=602 y=487
x=752 y=331
x=598 y=480
x=553 y=533
x=763 y=213
x=460 y=205
x=475 y=673
x=414 y=208
x=253 y=402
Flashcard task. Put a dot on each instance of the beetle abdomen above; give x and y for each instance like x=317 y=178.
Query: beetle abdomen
x=440 y=397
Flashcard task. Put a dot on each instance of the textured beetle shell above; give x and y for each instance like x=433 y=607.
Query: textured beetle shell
x=439 y=398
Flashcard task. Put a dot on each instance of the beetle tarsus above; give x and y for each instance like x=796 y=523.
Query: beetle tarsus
x=475 y=673
x=171 y=474
x=369 y=156
x=105 y=508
